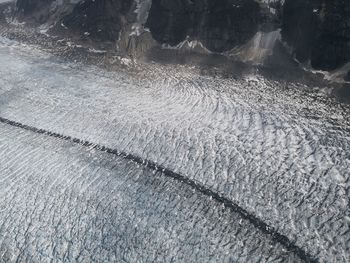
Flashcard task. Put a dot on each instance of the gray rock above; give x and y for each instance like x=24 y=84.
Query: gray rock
x=318 y=31
x=219 y=25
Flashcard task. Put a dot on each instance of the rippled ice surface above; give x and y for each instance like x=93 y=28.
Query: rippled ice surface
x=281 y=155
x=67 y=203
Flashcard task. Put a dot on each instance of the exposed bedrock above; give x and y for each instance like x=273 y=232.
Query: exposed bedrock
x=219 y=25
x=37 y=10
x=318 y=31
x=347 y=76
x=332 y=48
x=103 y=19
x=28 y=6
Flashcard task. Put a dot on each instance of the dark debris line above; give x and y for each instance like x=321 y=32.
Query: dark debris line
x=256 y=222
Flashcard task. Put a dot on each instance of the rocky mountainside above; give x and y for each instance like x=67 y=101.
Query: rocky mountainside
x=315 y=32
x=318 y=31
x=219 y=25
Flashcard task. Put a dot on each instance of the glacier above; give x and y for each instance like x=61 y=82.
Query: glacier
x=268 y=146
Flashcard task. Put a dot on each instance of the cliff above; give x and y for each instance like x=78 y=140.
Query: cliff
x=315 y=32
x=318 y=31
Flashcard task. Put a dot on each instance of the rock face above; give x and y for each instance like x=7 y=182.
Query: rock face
x=318 y=31
x=332 y=47
x=38 y=10
x=347 y=76
x=219 y=24
x=299 y=24
x=102 y=19
x=29 y=6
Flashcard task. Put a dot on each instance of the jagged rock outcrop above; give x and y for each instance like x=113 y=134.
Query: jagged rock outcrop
x=219 y=25
x=317 y=31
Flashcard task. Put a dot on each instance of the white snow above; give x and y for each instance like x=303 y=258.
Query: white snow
x=142 y=10
x=260 y=143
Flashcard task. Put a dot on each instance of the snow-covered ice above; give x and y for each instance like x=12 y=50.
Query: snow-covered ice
x=280 y=153
x=61 y=202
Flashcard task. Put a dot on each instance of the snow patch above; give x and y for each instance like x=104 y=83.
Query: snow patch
x=189 y=44
x=336 y=76
x=97 y=51
x=142 y=11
